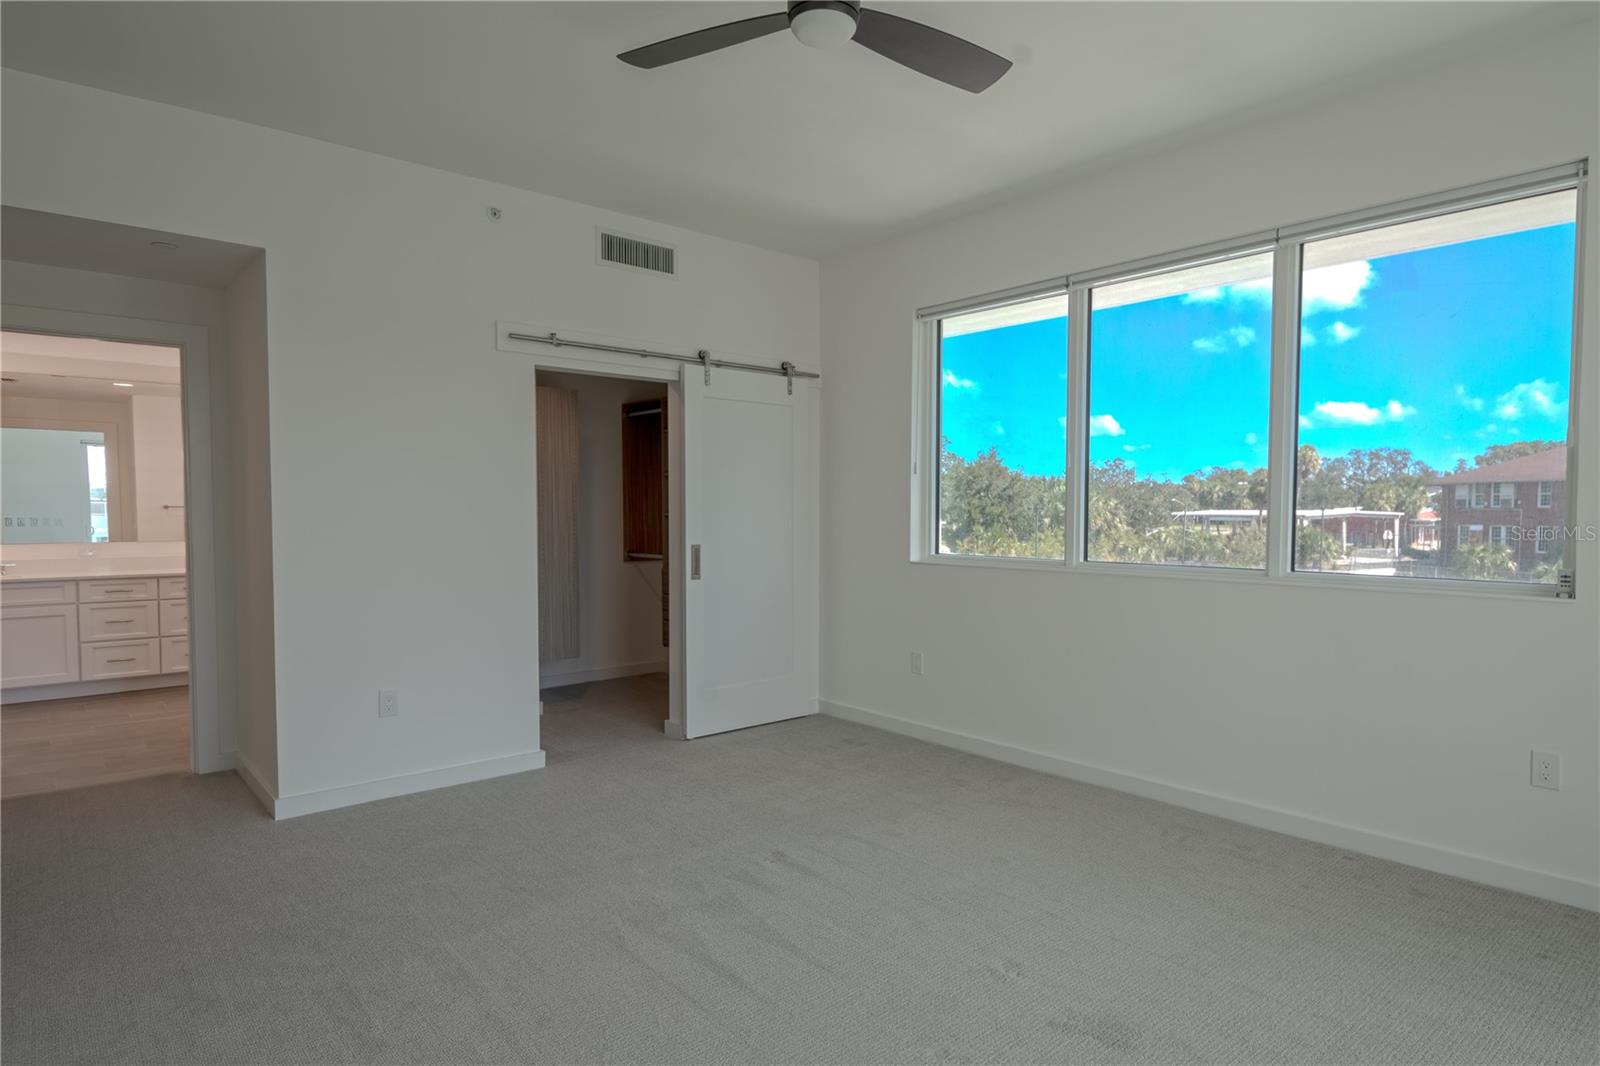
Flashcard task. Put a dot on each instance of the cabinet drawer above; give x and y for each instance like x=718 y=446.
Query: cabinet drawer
x=174 y=617
x=117 y=621
x=174 y=588
x=29 y=593
x=121 y=658
x=174 y=655
x=38 y=645
x=110 y=590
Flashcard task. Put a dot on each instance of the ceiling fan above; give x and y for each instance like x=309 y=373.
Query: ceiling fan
x=830 y=23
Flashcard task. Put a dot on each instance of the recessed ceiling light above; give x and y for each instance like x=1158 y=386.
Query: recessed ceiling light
x=164 y=245
x=123 y=384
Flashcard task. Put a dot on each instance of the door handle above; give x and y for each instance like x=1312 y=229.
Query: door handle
x=694 y=562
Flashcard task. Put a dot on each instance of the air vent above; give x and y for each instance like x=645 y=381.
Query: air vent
x=640 y=255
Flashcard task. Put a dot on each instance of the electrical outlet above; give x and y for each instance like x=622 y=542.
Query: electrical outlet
x=388 y=703
x=1546 y=770
x=916 y=662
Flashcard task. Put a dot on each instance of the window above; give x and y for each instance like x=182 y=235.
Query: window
x=1334 y=397
x=1002 y=416
x=1417 y=338
x=1180 y=374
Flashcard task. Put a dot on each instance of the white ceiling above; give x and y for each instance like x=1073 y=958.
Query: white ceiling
x=769 y=142
x=47 y=366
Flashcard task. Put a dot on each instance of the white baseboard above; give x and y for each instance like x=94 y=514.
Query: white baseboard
x=327 y=799
x=255 y=783
x=557 y=678
x=1469 y=867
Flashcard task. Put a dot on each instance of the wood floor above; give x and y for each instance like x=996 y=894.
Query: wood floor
x=61 y=744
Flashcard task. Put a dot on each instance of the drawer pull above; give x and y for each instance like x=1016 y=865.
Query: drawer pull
x=116 y=590
x=129 y=659
x=119 y=621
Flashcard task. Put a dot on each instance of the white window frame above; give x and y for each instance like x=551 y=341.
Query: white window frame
x=1469 y=528
x=1287 y=244
x=1546 y=494
x=1463 y=495
x=1542 y=537
x=1501 y=500
x=1480 y=495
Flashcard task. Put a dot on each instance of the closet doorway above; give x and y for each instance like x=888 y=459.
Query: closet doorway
x=605 y=576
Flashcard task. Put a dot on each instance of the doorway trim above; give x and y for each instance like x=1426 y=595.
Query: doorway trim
x=207 y=753
x=606 y=364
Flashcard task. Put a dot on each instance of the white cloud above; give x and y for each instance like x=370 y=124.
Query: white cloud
x=1356 y=413
x=1251 y=438
x=1307 y=338
x=1469 y=401
x=1330 y=288
x=1105 y=426
x=1340 y=332
x=1531 y=397
x=954 y=382
x=1232 y=337
x=999 y=430
x=1335 y=288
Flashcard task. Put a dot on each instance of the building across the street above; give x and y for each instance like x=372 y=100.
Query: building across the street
x=1519 y=504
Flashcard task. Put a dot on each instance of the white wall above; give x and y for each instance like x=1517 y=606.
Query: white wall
x=158 y=465
x=250 y=524
x=619 y=602
x=1233 y=690
x=383 y=281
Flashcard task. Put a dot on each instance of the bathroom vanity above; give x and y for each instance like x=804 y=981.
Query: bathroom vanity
x=83 y=626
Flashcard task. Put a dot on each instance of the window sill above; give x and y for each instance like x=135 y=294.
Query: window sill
x=1495 y=590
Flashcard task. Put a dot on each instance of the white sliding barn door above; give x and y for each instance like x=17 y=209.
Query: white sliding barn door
x=750 y=618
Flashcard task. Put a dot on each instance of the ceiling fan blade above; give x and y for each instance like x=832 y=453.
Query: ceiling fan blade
x=698 y=43
x=929 y=51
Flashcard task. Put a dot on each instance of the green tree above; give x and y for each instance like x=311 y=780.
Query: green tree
x=1500 y=453
x=1315 y=548
x=1485 y=562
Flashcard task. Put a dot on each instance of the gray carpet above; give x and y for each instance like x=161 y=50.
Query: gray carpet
x=813 y=891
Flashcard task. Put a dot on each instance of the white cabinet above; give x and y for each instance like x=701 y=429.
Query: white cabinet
x=174 y=618
x=174 y=655
x=112 y=590
x=113 y=621
x=121 y=658
x=93 y=629
x=38 y=644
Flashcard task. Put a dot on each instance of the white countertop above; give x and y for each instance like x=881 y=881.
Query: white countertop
x=74 y=569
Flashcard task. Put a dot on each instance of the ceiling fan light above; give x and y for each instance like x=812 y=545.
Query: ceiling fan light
x=823 y=24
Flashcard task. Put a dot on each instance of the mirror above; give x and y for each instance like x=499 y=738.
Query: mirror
x=91 y=441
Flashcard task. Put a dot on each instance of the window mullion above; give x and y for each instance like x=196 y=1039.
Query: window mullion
x=1283 y=418
x=1077 y=518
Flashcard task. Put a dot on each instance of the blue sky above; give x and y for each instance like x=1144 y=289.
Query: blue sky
x=1443 y=351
